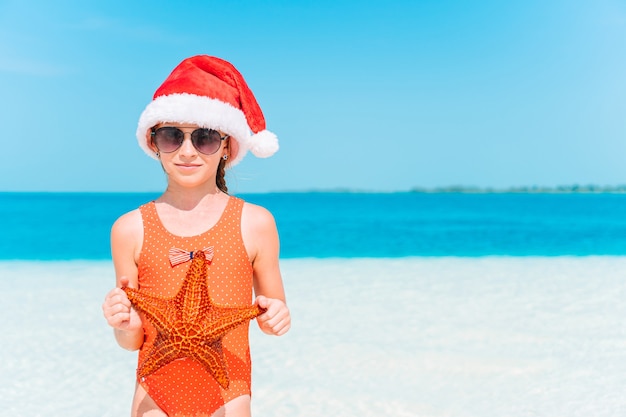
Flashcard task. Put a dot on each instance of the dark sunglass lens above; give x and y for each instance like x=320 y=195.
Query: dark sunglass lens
x=168 y=139
x=206 y=141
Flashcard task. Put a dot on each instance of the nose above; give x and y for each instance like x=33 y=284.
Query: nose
x=186 y=148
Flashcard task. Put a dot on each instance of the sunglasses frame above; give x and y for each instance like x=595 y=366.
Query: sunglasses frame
x=154 y=131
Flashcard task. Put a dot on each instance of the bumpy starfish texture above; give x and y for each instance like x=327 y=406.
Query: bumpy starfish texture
x=189 y=325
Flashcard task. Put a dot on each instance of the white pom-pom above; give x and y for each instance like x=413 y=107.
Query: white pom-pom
x=263 y=144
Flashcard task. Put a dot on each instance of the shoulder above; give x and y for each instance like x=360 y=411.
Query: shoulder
x=260 y=236
x=126 y=240
x=258 y=229
x=257 y=217
x=127 y=225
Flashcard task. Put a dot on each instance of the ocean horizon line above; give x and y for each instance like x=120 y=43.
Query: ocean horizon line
x=448 y=189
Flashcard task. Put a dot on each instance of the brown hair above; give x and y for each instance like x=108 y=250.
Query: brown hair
x=220 y=179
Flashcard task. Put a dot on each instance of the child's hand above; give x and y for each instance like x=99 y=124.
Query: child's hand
x=117 y=309
x=277 y=319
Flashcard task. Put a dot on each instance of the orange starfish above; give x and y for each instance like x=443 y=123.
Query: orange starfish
x=189 y=325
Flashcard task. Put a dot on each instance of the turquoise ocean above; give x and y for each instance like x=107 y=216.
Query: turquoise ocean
x=67 y=226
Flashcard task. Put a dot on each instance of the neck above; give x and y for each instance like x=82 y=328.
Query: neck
x=189 y=198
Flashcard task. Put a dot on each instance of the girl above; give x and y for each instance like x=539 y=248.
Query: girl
x=202 y=119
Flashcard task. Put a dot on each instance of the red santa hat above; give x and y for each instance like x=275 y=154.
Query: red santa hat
x=211 y=93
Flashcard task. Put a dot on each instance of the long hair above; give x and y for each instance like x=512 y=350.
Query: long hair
x=220 y=179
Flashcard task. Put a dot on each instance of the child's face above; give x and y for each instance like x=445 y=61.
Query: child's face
x=189 y=163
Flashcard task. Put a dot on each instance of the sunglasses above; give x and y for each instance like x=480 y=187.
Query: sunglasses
x=169 y=139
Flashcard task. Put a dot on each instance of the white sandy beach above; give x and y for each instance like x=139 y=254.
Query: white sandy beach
x=437 y=337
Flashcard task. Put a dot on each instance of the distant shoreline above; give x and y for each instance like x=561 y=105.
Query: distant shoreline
x=561 y=189
x=451 y=189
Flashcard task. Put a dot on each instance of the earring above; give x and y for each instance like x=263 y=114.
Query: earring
x=158 y=154
x=225 y=157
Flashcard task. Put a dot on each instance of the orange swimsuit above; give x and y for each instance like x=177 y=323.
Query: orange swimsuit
x=183 y=387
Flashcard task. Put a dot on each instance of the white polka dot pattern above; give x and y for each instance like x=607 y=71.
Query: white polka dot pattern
x=184 y=387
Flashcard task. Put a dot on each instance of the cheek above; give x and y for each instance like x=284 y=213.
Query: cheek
x=166 y=163
x=163 y=167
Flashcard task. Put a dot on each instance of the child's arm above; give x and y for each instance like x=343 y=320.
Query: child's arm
x=126 y=238
x=261 y=240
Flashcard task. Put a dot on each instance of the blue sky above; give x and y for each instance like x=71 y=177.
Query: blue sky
x=380 y=96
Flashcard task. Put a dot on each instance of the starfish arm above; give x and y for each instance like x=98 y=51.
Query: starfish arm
x=193 y=297
x=163 y=352
x=156 y=309
x=225 y=319
x=211 y=356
